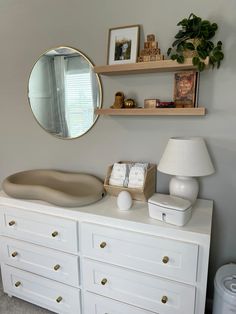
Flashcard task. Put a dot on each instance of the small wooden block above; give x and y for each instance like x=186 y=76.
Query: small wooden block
x=153 y=51
x=153 y=58
x=143 y=52
x=140 y=59
x=147 y=44
x=151 y=37
x=159 y=57
x=146 y=58
x=153 y=44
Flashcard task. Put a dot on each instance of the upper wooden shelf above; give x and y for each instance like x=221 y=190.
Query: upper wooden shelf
x=199 y=111
x=144 y=67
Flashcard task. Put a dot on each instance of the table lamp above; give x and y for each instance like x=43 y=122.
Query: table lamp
x=186 y=158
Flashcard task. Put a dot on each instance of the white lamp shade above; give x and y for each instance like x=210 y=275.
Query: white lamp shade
x=186 y=157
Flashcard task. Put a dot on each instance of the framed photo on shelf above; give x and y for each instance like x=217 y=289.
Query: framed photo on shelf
x=186 y=89
x=123 y=44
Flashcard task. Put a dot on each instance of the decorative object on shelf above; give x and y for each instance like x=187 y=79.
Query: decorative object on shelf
x=186 y=158
x=151 y=52
x=119 y=100
x=123 y=43
x=129 y=103
x=170 y=209
x=124 y=200
x=194 y=40
x=151 y=103
x=185 y=89
x=166 y=104
x=156 y=103
x=140 y=186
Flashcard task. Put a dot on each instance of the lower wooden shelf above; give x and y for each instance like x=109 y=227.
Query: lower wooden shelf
x=199 y=111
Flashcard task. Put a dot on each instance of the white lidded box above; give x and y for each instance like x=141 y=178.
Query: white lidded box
x=170 y=209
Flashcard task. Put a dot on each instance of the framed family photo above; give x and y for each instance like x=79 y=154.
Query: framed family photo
x=123 y=44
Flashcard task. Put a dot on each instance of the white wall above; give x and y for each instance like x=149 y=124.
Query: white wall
x=29 y=27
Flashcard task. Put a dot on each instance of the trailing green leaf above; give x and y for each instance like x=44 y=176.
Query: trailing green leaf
x=174 y=57
x=201 y=66
x=189 y=46
x=195 y=35
x=169 y=51
x=180 y=59
x=195 y=61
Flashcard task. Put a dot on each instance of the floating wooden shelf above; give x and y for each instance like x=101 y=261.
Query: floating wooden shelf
x=200 y=111
x=145 y=67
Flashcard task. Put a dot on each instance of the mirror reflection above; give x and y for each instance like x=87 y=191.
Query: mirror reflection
x=64 y=92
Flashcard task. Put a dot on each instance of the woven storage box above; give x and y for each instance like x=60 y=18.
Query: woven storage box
x=142 y=194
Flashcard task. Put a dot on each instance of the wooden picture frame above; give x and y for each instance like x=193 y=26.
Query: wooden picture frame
x=123 y=44
x=185 y=89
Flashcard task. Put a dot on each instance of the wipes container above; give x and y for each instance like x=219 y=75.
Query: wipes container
x=225 y=290
x=170 y=209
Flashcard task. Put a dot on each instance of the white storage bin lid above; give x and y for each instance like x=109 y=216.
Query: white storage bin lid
x=225 y=283
x=169 y=201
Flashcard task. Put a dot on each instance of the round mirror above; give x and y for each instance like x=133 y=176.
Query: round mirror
x=64 y=92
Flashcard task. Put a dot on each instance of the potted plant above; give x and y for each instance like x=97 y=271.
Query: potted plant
x=194 y=40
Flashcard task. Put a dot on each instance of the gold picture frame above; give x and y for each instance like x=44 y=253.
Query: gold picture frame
x=123 y=44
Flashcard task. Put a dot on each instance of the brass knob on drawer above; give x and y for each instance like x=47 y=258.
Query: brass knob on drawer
x=14 y=254
x=103 y=245
x=104 y=281
x=164 y=299
x=18 y=283
x=11 y=223
x=165 y=259
x=55 y=234
x=59 y=299
x=56 y=267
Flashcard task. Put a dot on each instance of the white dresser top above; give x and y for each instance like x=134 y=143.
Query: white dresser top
x=106 y=211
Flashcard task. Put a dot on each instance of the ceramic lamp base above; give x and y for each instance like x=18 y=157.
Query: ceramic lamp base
x=185 y=187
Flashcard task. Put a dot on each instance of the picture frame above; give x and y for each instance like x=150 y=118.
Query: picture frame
x=123 y=44
x=186 y=89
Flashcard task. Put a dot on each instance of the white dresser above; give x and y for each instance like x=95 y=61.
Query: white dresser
x=99 y=260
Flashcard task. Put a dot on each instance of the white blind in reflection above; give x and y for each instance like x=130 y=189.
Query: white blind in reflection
x=78 y=103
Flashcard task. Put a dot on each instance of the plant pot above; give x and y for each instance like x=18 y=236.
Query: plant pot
x=192 y=53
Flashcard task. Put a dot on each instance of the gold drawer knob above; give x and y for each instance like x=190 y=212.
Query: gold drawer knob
x=11 y=223
x=18 y=283
x=104 y=281
x=164 y=299
x=55 y=234
x=165 y=259
x=56 y=267
x=103 y=245
x=59 y=299
x=14 y=254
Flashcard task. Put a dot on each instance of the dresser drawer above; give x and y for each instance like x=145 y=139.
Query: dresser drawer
x=52 y=295
x=155 y=255
x=95 y=304
x=42 y=261
x=145 y=291
x=49 y=231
